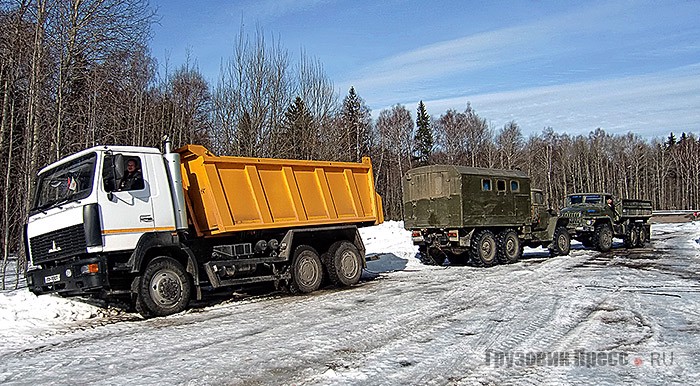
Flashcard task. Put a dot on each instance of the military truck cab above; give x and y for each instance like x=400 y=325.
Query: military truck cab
x=483 y=216
x=595 y=219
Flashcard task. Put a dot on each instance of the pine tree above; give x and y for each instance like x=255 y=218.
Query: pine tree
x=246 y=137
x=671 y=141
x=356 y=124
x=423 y=148
x=299 y=136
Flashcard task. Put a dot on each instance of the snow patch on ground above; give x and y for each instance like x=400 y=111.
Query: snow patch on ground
x=416 y=324
x=23 y=314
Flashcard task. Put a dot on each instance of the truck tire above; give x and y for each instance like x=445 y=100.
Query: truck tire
x=561 y=242
x=164 y=288
x=510 y=249
x=306 y=269
x=602 y=239
x=632 y=236
x=344 y=264
x=643 y=236
x=484 y=248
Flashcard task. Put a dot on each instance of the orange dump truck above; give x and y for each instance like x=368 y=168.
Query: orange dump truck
x=156 y=229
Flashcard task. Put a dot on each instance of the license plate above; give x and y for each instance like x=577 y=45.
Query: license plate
x=52 y=278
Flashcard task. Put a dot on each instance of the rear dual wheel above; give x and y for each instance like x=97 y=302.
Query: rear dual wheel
x=510 y=249
x=306 y=270
x=637 y=236
x=344 y=264
x=643 y=236
x=632 y=236
x=484 y=248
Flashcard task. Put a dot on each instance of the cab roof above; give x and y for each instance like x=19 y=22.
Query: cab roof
x=457 y=169
x=103 y=148
x=589 y=194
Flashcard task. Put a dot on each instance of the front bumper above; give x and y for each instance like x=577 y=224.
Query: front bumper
x=69 y=279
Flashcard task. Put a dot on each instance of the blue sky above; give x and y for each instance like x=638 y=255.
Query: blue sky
x=570 y=65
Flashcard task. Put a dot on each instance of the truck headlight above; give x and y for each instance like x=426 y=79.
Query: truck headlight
x=589 y=222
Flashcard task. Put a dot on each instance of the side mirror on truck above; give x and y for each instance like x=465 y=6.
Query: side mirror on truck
x=112 y=172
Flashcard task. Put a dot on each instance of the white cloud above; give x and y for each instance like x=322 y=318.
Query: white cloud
x=650 y=105
x=492 y=49
x=548 y=65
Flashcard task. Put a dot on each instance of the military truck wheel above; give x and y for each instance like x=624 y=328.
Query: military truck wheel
x=643 y=236
x=484 y=248
x=307 y=270
x=164 y=288
x=344 y=264
x=510 y=249
x=632 y=237
x=561 y=242
x=602 y=239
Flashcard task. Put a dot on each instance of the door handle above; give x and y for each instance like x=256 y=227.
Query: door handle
x=146 y=218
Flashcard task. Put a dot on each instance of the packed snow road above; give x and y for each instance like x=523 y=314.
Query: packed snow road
x=627 y=316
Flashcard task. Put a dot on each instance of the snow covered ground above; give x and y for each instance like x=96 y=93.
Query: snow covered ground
x=627 y=316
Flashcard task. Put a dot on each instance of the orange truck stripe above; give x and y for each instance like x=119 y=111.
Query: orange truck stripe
x=135 y=230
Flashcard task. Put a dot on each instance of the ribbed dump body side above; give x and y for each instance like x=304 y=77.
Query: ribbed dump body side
x=230 y=194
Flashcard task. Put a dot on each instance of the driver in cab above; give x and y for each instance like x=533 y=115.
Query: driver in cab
x=132 y=180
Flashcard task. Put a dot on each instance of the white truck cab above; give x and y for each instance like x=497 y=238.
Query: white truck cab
x=82 y=210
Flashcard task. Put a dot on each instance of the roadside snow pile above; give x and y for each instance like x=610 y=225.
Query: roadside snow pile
x=23 y=314
x=392 y=244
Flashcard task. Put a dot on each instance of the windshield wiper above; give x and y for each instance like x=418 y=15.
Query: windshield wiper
x=55 y=204
x=64 y=201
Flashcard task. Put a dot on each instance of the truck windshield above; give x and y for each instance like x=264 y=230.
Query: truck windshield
x=65 y=183
x=584 y=199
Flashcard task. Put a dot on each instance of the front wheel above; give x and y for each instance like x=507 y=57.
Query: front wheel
x=603 y=237
x=164 y=288
x=561 y=242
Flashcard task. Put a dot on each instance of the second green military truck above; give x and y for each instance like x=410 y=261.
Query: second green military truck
x=478 y=215
x=595 y=218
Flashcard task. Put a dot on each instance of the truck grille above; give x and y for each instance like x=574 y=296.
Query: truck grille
x=57 y=245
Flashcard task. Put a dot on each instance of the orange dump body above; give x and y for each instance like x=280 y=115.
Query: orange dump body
x=231 y=194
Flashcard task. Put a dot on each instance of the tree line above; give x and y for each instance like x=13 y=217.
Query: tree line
x=79 y=73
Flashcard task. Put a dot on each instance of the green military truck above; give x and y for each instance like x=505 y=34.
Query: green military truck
x=594 y=220
x=477 y=215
